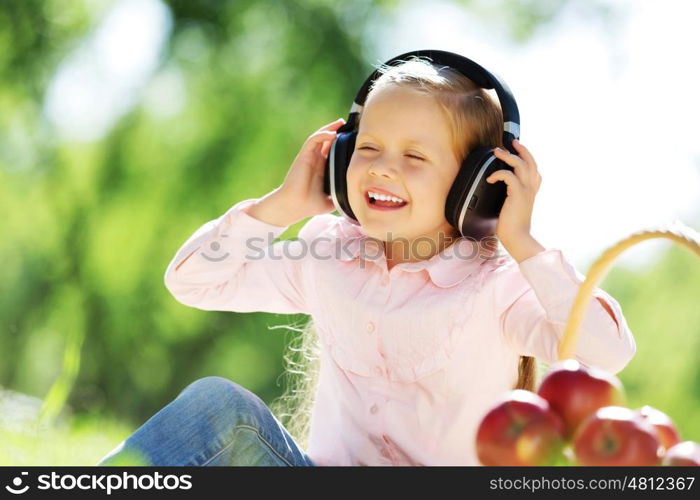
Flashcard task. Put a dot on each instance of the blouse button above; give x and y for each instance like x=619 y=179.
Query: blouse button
x=370 y=327
x=374 y=409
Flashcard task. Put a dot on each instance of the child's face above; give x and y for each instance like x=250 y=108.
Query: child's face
x=392 y=117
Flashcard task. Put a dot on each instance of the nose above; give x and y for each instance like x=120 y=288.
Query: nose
x=379 y=168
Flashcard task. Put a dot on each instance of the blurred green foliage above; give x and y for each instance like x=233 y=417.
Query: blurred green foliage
x=89 y=228
x=661 y=308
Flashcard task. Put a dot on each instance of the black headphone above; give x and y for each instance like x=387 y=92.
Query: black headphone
x=473 y=205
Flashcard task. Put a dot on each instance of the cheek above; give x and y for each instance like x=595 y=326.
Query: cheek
x=352 y=172
x=427 y=187
x=352 y=179
x=443 y=184
x=430 y=194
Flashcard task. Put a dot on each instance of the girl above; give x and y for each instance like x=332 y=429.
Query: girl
x=420 y=330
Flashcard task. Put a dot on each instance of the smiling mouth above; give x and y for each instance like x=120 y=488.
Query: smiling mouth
x=383 y=204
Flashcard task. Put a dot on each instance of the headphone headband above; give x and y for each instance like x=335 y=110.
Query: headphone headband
x=477 y=73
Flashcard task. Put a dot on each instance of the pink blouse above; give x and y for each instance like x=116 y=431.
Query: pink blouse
x=411 y=358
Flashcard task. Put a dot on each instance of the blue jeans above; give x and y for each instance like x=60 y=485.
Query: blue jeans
x=213 y=421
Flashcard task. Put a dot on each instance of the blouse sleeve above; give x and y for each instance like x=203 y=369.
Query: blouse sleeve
x=231 y=264
x=533 y=303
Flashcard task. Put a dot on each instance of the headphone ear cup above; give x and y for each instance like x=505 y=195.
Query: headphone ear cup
x=473 y=205
x=335 y=174
x=457 y=196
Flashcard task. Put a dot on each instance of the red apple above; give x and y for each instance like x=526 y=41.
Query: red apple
x=617 y=436
x=667 y=433
x=519 y=430
x=575 y=392
x=685 y=453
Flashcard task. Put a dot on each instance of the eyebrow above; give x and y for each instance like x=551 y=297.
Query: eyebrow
x=409 y=141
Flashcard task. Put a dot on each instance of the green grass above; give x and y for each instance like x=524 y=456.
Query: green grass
x=82 y=441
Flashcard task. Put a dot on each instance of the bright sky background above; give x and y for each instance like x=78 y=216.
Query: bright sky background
x=610 y=113
x=611 y=117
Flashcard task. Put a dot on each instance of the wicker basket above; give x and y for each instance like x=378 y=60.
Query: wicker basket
x=676 y=232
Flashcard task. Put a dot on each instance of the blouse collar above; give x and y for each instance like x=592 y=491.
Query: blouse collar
x=446 y=268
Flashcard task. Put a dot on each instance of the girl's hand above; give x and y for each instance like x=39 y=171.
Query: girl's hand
x=515 y=217
x=302 y=188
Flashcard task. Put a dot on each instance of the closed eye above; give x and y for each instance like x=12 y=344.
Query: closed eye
x=410 y=156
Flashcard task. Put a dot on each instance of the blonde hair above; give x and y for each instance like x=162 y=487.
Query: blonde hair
x=293 y=407
x=476 y=121
x=475 y=117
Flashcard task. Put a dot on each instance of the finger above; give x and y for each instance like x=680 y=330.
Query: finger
x=524 y=153
x=534 y=177
x=320 y=137
x=514 y=161
x=326 y=148
x=503 y=175
x=311 y=152
x=332 y=125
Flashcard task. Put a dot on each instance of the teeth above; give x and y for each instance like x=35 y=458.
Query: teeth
x=384 y=197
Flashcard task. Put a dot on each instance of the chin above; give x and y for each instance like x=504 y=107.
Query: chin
x=374 y=231
x=380 y=231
